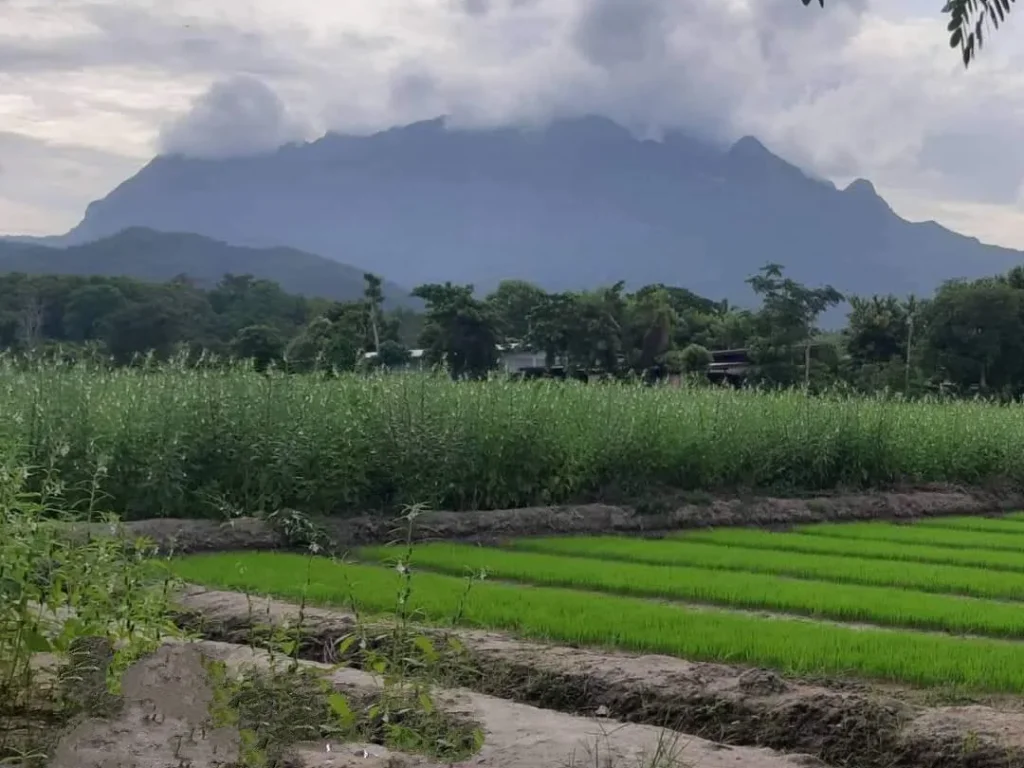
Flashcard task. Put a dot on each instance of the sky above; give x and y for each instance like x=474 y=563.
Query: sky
x=91 y=90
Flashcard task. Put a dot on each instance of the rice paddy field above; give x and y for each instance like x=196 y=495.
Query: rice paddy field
x=186 y=442
x=934 y=603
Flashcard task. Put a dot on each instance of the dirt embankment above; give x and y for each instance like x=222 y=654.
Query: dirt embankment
x=251 y=533
x=852 y=725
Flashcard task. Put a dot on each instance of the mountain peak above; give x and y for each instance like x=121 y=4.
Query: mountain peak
x=750 y=147
x=861 y=187
x=572 y=204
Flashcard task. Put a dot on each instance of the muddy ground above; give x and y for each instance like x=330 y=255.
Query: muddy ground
x=667 y=514
x=165 y=723
x=850 y=723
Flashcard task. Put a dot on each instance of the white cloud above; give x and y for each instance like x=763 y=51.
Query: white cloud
x=861 y=88
x=240 y=116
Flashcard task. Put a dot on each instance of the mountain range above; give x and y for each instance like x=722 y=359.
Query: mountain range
x=146 y=254
x=578 y=203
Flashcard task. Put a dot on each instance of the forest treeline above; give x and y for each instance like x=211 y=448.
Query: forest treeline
x=967 y=338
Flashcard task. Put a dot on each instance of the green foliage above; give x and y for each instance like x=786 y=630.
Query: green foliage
x=995 y=560
x=84 y=607
x=184 y=441
x=943 y=578
x=280 y=703
x=260 y=343
x=833 y=598
x=460 y=332
x=926 y=535
x=975 y=335
x=785 y=323
x=695 y=359
x=794 y=645
x=513 y=303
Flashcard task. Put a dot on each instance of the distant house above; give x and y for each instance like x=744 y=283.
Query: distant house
x=512 y=358
x=516 y=358
x=729 y=365
x=415 y=363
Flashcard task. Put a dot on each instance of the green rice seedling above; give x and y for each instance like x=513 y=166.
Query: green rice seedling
x=985 y=524
x=864 y=548
x=911 y=534
x=842 y=602
x=567 y=616
x=951 y=579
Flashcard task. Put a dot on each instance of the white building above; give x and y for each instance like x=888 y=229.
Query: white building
x=512 y=358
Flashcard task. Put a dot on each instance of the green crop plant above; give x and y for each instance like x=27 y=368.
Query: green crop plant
x=792 y=645
x=913 y=534
x=948 y=579
x=1010 y=525
x=1000 y=560
x=820 y=599
x=185 y=441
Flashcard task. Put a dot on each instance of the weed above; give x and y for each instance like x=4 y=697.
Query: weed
x=75 y=611
x=667 y=753
x=277 y=707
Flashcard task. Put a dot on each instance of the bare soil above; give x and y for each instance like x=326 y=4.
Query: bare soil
x=667 y=514
x=840 y=724
x=165 y=723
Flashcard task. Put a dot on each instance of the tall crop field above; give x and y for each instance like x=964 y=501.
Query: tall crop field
x=187 y=442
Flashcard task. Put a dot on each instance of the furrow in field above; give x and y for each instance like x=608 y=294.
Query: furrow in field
x=946 y=579
x=844 y=602
x=984 y=524
x=567 y=616
x=1001 y=560
x=910 y=534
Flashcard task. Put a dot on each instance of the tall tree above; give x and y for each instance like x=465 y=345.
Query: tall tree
x=513 y=303
x=373 y=293
x=975 y=334
x=784 y=325
x=878 y=339
x=460 y=332
x=650 y=323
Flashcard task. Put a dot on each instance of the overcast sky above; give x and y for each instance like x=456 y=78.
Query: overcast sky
x=90 y=90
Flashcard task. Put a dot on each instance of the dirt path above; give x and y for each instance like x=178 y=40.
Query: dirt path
x=857 y=725
x=166 y=724
x=251 y=533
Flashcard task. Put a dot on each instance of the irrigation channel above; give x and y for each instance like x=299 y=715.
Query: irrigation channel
x=865 y=643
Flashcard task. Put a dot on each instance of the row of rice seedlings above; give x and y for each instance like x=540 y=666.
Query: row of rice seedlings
x=790 y=645
x=985 y=524
x=840 y=602
x=950 y=579
x=180 y=442
x=1000 y=560
x=912 y=534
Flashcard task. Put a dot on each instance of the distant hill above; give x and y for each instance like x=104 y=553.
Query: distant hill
x=159 y=256
x=579 y=203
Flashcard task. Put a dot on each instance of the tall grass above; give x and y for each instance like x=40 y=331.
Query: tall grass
x=605 y=620
x=177 y=441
